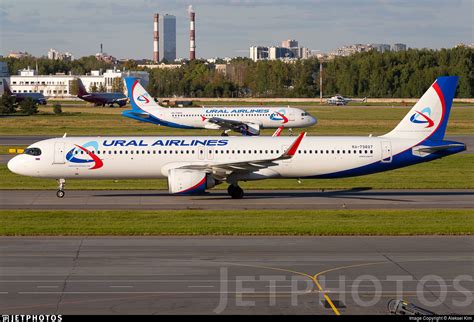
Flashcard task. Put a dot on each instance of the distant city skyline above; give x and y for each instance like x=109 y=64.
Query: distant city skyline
x=229 y=27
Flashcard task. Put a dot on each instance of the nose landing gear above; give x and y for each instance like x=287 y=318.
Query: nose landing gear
x=235 y=191
x=60 y=193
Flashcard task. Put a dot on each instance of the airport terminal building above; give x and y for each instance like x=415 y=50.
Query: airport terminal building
x=59 y=85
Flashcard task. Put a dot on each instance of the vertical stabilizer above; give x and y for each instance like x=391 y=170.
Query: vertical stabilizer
x=429 y=117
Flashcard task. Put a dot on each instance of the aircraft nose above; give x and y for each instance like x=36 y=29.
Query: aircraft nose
x=17 y=165
x=12 y=165
x=312 y=120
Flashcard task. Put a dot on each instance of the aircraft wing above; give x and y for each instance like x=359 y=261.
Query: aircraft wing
x=228 y=124
x=234 y=125
x=223 y=169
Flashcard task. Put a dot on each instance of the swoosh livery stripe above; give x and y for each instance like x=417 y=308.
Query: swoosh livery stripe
x=196 y=188
x=285 y=119
x=429 y=120
x=98 y=162
x=443 y=104
x=142 y=98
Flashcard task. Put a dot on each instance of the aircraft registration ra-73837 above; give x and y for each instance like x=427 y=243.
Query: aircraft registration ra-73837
x=194 y=164
x=245 y=120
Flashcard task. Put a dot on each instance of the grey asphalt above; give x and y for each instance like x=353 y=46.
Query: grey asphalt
x=253 y=199
x=234 y=275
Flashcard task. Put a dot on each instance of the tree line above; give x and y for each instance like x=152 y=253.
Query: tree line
x=371 y=74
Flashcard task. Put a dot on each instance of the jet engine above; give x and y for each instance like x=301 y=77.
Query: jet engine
x=250 y=129
x=187 y=181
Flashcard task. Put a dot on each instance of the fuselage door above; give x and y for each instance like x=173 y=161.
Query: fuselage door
x=210 y=153
x=201 y=153
x=386 y=151
x=291 y=114
x=59 y=153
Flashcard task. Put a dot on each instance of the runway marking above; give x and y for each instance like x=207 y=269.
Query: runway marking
x=161 y=292
x=328 y=299
x=187 y=281
x=198 y=286
x=121 y=286
x=47 y=286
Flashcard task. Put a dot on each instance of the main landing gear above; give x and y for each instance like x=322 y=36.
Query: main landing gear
x=225 y=133
x=235 y=191
x=60 y=193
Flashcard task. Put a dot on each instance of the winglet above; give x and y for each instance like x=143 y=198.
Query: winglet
x=278 y=131
x=294 y=147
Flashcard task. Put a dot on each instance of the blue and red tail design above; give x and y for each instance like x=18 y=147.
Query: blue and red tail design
x=429 y=117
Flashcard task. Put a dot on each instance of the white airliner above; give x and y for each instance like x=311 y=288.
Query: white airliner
x=194 y=164
x=245 y=120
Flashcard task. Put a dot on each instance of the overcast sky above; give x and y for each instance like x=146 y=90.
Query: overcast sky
x=229 y=27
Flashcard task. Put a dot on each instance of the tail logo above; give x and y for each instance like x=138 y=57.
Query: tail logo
x=92 y=157
x=279 y=116
x=143 y=98
x=423 y=117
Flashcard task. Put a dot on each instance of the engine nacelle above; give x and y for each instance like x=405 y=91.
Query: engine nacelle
x=186 y=181
x=250 y=129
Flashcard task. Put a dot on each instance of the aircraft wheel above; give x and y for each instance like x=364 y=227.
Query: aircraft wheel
x=60 y=193
x=235 y=192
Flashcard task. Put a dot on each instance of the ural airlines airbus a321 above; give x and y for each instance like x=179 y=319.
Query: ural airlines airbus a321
x=194 y=164
x=245 y=120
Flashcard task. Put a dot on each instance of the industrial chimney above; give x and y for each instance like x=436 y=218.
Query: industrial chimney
x=192 y=33
x=156 y=38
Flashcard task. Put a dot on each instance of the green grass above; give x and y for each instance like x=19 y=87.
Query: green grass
x=453 y=172
x=347 y=120
x=241 y=222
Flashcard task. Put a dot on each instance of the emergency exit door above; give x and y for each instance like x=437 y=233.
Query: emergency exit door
x=386 y=151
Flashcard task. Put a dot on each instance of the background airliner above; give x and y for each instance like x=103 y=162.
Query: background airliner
x=194 y=164
x=38 y=98
x=245 y=120
x=101 y=98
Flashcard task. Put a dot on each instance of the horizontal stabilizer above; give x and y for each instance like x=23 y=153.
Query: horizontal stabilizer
x=425 y=150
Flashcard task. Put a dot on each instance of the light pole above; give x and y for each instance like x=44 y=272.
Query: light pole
x=320 y=59
x=321 y=81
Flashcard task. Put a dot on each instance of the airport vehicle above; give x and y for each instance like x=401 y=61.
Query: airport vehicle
x=340 y=100
x=193 y=164
x=101 y=98
x=245 y=120
x=38 y=98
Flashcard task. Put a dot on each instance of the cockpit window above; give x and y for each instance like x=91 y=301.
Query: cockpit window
x=33 y=151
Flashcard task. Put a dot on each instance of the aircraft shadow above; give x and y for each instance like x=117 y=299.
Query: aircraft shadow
x=354 y=193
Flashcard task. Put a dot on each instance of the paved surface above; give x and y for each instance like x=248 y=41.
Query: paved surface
x=254 y=199
x=234 y=275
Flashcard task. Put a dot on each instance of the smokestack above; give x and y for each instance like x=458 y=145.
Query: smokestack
x=156 y=38
x=192 y=33
x=101 y=47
